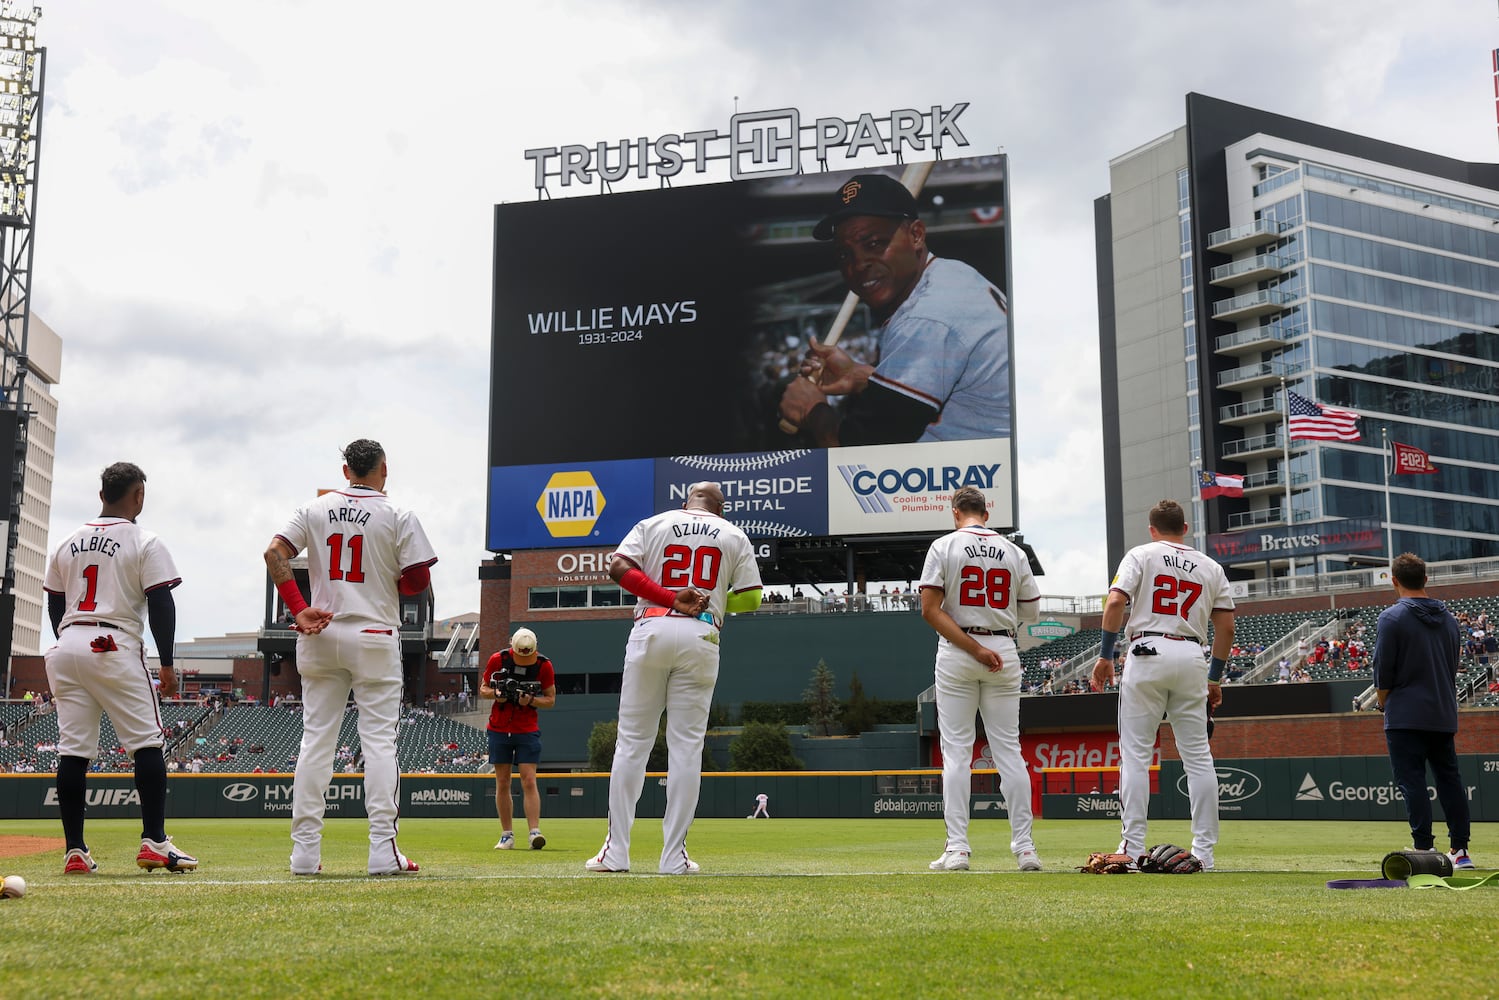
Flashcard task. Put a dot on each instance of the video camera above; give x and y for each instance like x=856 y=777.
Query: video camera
x=511 y=688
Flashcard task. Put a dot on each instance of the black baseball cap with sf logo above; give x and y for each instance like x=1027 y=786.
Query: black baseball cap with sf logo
x=867 y=194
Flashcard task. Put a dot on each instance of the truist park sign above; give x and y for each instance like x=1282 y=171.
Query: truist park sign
x=757 y=144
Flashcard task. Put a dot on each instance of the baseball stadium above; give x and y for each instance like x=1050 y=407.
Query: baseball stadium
x=849 y=334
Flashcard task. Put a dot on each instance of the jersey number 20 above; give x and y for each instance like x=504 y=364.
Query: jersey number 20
x=978 y=589
x=685 y=565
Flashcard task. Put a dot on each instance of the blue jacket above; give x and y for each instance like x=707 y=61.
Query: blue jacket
x=1416 y=649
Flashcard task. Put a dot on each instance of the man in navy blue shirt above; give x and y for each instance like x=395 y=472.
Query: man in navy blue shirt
x=1416 y=649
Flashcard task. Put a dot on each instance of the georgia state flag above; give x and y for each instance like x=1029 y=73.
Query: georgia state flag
x=1216 y=484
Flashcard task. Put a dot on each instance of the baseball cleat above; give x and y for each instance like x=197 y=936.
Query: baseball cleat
x=77 y=862
x=690 y=867
x=1029 y=861
x=598 y=864
x=301 y=874
x=537 y=840
x=1460 y=858
x=951 y=861
x=156 y=854
x=388 y=860
x=507 y=841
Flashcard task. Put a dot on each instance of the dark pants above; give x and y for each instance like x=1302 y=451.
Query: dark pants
x=1411 y=750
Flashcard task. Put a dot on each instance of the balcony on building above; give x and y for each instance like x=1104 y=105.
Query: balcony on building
x=1252 y=304
x=1256 y=518
x=1260 y=483
x=1250 y=270
x=1254 y=411
x=1252 y=340
x=1253 y=447
x=1245 y=236
x=1257 y=376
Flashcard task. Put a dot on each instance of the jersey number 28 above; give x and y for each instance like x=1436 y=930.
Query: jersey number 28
x=978 y=589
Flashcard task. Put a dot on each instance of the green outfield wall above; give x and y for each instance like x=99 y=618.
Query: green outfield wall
x=1339 y=788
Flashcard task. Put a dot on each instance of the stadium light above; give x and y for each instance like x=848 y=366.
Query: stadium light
x=22 y=76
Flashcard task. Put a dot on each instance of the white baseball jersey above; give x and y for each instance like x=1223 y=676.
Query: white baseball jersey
x=358 y=543
x=948 y=346
x=692 y=548
x=104 y=570
x=1172 y=588
x=985 y=579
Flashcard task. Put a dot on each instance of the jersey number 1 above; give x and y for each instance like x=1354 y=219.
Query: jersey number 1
x=91 y=591
x=355 y=573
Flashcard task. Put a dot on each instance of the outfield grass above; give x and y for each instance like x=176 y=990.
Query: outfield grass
x=790 y=908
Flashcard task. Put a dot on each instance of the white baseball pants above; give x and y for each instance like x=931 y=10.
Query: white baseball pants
x=85 y=683
x=965 y=687
x=1173 y=683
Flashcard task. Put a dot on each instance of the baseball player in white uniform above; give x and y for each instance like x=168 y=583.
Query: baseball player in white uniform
x=1174 y=593
x=976 y=588
x=688 y=567
x=363 y=552
x=104 y=583
x=943 y=372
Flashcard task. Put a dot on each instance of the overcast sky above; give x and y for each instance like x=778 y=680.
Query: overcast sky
x=264 y=229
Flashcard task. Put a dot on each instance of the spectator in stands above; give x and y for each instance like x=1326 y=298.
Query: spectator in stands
x=514 y=731
x=1415 y=667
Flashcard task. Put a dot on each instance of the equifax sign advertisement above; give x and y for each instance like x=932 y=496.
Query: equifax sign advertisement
x=674 y=324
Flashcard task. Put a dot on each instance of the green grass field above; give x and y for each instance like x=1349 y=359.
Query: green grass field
x=791 y=908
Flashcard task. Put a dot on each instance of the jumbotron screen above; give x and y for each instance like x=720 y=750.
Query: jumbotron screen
x=643 y=341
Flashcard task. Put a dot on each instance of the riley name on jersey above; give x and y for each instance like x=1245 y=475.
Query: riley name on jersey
x=1179 y=562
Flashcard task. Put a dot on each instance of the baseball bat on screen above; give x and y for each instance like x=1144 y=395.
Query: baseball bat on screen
x=914 y=178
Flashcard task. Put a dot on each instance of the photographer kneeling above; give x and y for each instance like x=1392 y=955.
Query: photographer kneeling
x=520 y=681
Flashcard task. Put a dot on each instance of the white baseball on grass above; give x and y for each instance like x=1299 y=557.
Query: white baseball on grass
x=14 y=887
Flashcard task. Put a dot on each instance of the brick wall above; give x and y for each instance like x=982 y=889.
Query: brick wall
x=1350 y=735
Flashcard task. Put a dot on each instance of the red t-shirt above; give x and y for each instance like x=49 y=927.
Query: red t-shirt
x=508 y=717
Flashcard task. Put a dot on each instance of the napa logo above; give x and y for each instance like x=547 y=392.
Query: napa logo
x=571 y=504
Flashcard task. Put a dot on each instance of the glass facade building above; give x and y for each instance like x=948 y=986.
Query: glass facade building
x=1358 y=274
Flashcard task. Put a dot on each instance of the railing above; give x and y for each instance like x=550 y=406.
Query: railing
x=1250 y=518
x=1268 y=228
x=1259 y=443
x=1261 y=370
x=1250 y=409
x=1253 y=300
x=1259 y=262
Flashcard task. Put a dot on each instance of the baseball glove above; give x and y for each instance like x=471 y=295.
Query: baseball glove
x=1108 y=864
x=1168 y=859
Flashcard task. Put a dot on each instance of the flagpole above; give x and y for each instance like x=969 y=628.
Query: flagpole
x=1290 y=518
x=1385 y=461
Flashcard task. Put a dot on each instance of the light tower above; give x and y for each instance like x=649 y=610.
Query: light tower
x=22 y=72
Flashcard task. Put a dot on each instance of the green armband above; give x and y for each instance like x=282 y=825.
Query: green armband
x=743 y=601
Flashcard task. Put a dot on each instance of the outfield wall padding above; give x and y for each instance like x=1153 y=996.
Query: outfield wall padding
x=1338 y=788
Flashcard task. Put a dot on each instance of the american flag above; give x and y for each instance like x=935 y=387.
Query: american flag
x=1310 y=421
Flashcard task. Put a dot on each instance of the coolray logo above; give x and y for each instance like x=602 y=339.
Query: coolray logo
x=441 y=796
x=1308 y=792
x=1234 y=784
x=240 y=791
x=757 y=144
x=873 y=488
x=99 y=797
x=570 y=504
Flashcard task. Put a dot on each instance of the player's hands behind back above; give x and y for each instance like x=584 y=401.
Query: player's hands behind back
x=311 y=621
x=690 y=601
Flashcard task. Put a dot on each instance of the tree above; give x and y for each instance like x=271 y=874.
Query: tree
x=761 y=746
x=602 y=739
x=822 y=703
x=859 y=713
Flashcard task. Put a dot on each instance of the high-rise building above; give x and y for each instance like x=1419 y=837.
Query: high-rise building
x=44 y=368
x=1247 y=254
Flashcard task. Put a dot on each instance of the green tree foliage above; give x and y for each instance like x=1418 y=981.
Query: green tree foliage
x=605 y=734
x=763 y=746
x=822 y=702
x=859 y=713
